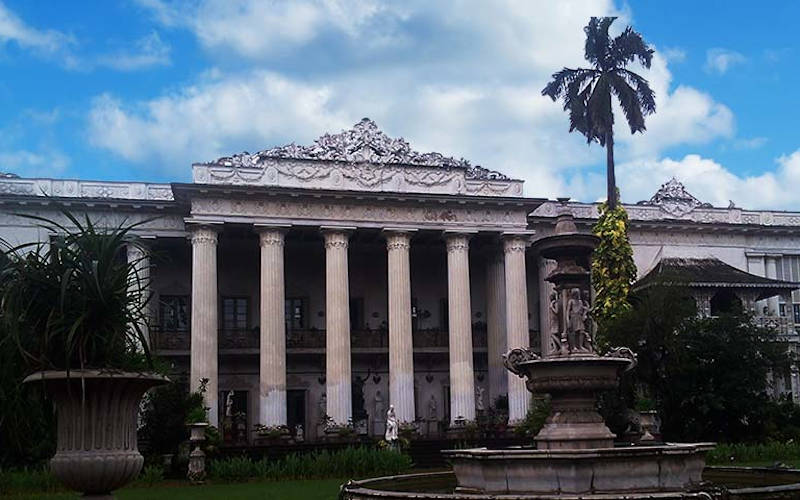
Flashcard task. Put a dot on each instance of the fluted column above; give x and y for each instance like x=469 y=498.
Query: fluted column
x=516 y=320
x=462 y=383
x=401 y=348
x=771 y=268
x=139 y=259
x=203 y=363
x=496 y=324
x=272 y=352
x=337 y=321
x=548 y=310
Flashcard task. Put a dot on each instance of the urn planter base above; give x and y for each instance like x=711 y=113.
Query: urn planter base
x=97 y=449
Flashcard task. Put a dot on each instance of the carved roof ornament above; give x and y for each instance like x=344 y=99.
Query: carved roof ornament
x=364 y=143
x=673 y=198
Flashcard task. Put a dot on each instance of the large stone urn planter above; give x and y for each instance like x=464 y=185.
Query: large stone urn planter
x=97 y=451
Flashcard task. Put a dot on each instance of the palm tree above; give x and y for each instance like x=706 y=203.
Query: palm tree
x=587 y=91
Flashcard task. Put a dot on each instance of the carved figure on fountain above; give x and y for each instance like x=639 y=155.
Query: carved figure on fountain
x=579 y=338
x=555 y=323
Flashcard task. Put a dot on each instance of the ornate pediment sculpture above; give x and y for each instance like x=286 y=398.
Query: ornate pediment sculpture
x=673 y=198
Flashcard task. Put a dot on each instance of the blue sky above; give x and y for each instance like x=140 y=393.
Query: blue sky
x=140 y=89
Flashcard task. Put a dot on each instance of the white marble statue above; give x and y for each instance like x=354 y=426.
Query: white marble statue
x=391 y=425
x=229 y=404
x=479 y=391
x=433 y=412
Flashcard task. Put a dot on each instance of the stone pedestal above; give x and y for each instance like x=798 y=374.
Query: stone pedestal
x=337 y=318
x=203 y=358
x=401 y=350
x=462 y=383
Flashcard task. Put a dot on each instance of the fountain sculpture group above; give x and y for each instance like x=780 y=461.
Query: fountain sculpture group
x=574 y=453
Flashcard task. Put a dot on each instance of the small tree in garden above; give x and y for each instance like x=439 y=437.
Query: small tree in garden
x=707 y=376
x=613 y=269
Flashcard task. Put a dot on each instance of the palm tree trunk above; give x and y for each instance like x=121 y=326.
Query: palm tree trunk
x=610 y=177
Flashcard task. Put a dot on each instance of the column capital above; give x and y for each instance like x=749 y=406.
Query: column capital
x=398 y=239
x=457 y=241
x=513 y=244
x=335 y=236
x=271 y=235
x=203 y=234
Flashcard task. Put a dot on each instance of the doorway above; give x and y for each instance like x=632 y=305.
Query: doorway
x=296 y=412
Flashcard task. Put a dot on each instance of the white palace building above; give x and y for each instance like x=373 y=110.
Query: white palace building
x=356 y=273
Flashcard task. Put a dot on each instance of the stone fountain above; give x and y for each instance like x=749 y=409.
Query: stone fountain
x=574 y=454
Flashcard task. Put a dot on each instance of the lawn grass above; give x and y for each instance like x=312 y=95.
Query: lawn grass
x=312 y=489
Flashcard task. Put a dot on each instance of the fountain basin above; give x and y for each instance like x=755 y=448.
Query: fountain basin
x=573 y=382
x=729 y=483
x=664 y=468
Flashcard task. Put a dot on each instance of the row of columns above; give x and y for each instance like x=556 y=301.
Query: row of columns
x=507 y=316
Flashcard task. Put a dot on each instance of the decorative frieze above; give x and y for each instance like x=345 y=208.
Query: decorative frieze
x=705 y=215
x=316 y=210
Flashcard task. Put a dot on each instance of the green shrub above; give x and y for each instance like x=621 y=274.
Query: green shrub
x=151 y=475
x=538 y=412
x=27 y=480
x=726 y=453
x=350 y=462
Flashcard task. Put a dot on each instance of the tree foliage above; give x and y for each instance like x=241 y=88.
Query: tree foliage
x=76 y=302
x=613 y=269
x=708 y=376
x=587 y=92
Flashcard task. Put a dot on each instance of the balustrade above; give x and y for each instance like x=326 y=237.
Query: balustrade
x=180 y=340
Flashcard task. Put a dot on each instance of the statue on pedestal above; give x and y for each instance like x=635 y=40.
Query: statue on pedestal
x=391 y=426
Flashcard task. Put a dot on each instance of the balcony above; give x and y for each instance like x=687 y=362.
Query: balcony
x=246 y=341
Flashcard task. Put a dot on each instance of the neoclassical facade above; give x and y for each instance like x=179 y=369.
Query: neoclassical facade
x=330 y=281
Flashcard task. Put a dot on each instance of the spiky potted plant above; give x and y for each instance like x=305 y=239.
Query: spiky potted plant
x=74 y=310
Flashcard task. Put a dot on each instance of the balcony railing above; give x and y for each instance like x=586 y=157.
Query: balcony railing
x=238 y=339
x=172 y=340
x=180 y=340
x=781 y=324
x=305 y=339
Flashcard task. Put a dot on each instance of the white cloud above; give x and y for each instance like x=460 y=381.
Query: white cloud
x=749 y=143
x=47 y=43
x=674 y=54
x=721 y=60
x=257 y=28
x=27 y=163
x=146 y=52
x=467 y=84
x=711 y=182
x=200 y=122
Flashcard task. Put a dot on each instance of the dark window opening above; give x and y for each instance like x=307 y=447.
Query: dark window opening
x=357 y=313
x=725 y=301
x=234 y=313
x=295 y=314
x=174 y=312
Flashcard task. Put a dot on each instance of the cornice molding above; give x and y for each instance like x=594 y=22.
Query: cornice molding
x=60 y=188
